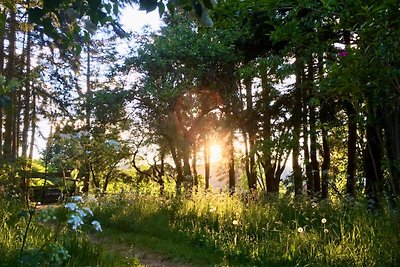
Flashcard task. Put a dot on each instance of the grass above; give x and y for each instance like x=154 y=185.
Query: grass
x=212 y=230
x=218 y=230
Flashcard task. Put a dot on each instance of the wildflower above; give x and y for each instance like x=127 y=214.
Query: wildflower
x=300 y=230
x=113 y=143
x=77 y=198
x=235 y=222
x=75 y=221
x=326 y=231
x=342 y=53
x=71 y=206
x=323 y=221
x=213 y=209
x=88 y=211
x=81 y=213
x=97 y=226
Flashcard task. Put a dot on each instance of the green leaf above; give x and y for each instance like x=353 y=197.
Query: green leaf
x=23 y=213
x=198 y=9
x=35 y=15
x=148 y=5
x=171 y=8
x=51 y=5
x=115 y=9
x=161 y=8
x=2 y=23
x=108 y=7
x=208 y=4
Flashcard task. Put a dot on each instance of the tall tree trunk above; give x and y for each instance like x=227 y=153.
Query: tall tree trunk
x=373 y=166
x=351 y=149
x=161 y=174
x=179 y=169
x=296 y=124
x=326 y=163
x=231 y=163
x=306 y=147
x=206 y=162
x=27 y=96
x=313 y=134
x=10 y=74
x=88 y=112
x=1 y=73
x=33 y=127
x=250 y=127
x=272 y=186
x=392 y=134
x=188 y=178
x=325 y=116
x=194 y=165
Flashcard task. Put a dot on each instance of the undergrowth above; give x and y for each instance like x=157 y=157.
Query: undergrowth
x=37 y=243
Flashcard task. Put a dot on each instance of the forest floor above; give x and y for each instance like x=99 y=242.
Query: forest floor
x=127 y=249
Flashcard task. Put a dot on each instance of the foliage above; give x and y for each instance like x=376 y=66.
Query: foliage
x=47 y=243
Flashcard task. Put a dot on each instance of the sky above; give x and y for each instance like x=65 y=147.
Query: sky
x=133 y=19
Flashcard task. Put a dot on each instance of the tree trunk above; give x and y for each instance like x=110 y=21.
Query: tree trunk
x=179 y=169
x=206 y=162
x=88 y=98
x=392 y=133
x=373 y=165
x=1 y=73
x=194 y=165
x=313 y=134
x=33 y=127
x=250 y=127
x=296 y=124
x=27 y=96
x=351 y=149
x=231 y=163
x=10 y=74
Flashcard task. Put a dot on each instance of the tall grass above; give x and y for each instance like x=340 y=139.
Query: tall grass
x=262 y=231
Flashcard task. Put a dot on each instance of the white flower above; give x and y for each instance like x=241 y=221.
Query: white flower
x=300 y=230
x=97 y=226
x=75 y=221
x=326 y=231
x=88 y=211
x=235 y=222
x=213 y=209
x=71 y=206
x=65 y=136
x=77 y=198
x=81 y=213
x=323 y=220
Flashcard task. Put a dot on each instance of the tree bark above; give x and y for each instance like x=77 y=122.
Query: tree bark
x=10 y=74
x=351 y=149
x=206 y=162
x=373 y=165
x=231 y=163
x=250 y=127
x=27 y=95
x=296 y=124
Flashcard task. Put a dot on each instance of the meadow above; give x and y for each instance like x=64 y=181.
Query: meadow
x=202 y=229
x=221 y=230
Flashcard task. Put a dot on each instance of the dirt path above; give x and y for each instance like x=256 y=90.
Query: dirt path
x=147 y=258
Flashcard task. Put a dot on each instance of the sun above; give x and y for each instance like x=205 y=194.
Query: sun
x=215 y=153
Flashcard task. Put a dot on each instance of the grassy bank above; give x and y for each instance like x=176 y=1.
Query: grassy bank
x=218 y=230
